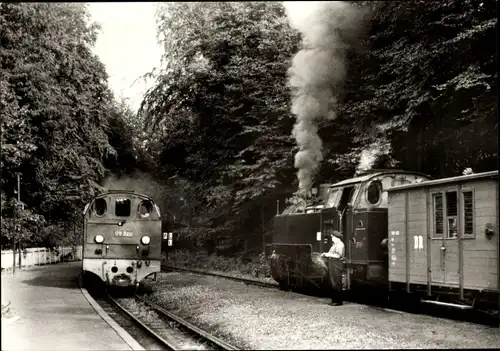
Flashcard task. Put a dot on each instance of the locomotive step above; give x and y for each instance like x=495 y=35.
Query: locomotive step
x=447 y=304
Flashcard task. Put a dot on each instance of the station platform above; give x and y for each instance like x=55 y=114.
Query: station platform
x=48 y=311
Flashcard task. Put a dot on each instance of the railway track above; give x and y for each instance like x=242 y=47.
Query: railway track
x=140 y=332
x=154 y=328
x=205 y=339
x=242 y=280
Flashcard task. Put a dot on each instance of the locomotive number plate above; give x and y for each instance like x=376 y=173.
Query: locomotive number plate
x=123 y=233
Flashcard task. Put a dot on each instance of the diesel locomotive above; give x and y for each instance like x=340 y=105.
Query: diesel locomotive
x=122 y=238
x=403 y=233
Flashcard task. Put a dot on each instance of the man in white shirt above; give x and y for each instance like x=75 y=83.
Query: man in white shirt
x=336 y=267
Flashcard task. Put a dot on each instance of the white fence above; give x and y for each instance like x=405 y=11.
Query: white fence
x=40 y=255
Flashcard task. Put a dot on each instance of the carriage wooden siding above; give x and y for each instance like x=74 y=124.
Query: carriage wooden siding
x=421 y=254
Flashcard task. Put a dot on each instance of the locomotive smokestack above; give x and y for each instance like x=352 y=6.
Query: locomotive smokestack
x=316 y=74
x=370 y=155
x=367 y=159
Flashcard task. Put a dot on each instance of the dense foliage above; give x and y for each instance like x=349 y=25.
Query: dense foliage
x=220 y=111
x=420 y=87
x=59 y=120
x=428 y=83
x=212 y=141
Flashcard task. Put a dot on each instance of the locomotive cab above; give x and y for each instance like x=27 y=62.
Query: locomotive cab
x=357 y=207
x=363 y=206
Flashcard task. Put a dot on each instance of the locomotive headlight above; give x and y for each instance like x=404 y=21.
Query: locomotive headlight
x=145 y=240
x=99 y=239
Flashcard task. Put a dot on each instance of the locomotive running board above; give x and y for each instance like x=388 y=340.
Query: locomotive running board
x=447 y=304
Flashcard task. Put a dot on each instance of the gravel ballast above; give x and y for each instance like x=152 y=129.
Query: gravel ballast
x=263 y=318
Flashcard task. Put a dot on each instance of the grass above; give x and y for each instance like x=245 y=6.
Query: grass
x=189 y=300
x=235 y=266
x=256 y=318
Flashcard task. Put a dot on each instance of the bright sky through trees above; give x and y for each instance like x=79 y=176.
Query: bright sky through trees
x=127 y=45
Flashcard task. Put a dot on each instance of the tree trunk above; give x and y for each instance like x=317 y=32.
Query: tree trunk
x=14 y=258
x=263 y=227
x=442 y=161
x=420 y=149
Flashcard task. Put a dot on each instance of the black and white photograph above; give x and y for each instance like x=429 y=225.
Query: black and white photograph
x=249 y=175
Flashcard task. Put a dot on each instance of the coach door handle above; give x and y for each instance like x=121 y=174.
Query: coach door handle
x=443 y=253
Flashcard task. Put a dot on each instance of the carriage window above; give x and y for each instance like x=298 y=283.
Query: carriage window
x=100 y=207
x=451 y=214
x=438 y=215
x=373 y=192
x=122 y=207
x=468 y=213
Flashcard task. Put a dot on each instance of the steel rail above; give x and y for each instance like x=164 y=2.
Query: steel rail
x=242 y=280
x=221 y=343
x=141 y=324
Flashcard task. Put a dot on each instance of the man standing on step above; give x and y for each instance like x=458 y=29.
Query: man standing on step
x=336 y=267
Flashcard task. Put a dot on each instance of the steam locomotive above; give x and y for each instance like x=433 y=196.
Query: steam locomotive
x=404 y=234
x=122 y=238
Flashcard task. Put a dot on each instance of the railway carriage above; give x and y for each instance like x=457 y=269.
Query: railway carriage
x=444 y=242
x=122 y=238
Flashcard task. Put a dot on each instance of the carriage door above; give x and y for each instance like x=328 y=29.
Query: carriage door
x=444 y=243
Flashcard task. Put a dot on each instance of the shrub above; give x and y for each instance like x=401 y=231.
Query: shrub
x=201 y=260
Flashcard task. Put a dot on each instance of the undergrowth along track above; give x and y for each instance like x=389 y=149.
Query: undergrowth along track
x=242 y=280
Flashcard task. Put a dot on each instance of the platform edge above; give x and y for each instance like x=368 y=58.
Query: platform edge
x=122 y=333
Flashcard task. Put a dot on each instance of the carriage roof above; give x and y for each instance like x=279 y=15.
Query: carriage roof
x=366 y=177
x=458 y=179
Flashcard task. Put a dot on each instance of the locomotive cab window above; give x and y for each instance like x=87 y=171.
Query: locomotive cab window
x=333 y=198
x=122 y=207
x=145 y=208
x=374 y=192
x=100 y=207
x=346 y=197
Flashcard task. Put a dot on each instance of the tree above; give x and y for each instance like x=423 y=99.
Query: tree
x=125 y=135
x=428 y=84
x=221 y=107
x=20 y=224
x=56 y=108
